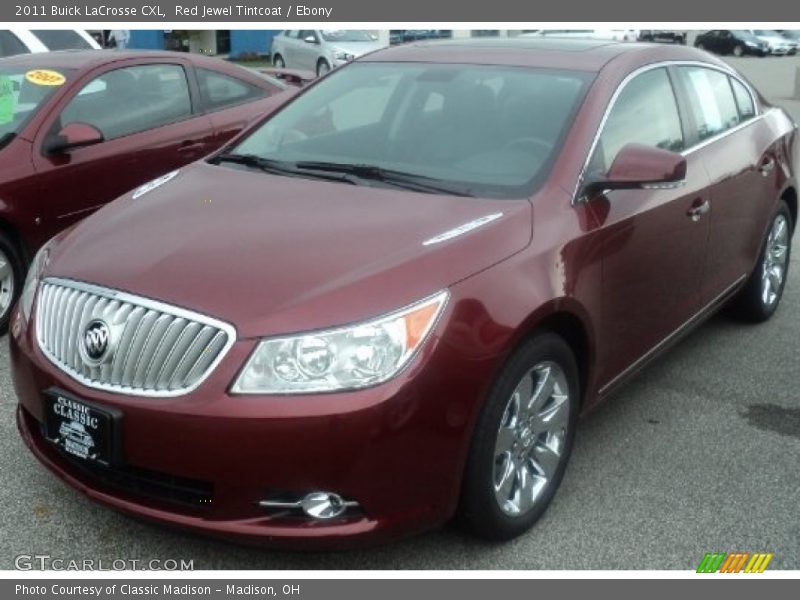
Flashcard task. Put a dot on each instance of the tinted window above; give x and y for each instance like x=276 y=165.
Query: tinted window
x=220 y=90
x=61 y=39
x=347 y=35
x=10 y=44
x=22 y=96
x=710 y=100
x=645 y=112
x=744 y=101
x=133 y=99
x=491 y=129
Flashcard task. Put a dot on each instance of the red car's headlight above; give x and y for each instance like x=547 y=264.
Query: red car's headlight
x=351 y=357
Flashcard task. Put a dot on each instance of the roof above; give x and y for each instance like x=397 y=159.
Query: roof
x=82 y=59
x=546 y=52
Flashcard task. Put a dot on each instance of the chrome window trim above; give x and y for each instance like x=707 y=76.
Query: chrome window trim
x=146 y=303
x=658 y=65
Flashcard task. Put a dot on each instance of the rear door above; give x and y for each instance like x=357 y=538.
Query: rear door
x=230 y=102
x=738 y=154
x=653 y=248
x=147 y=117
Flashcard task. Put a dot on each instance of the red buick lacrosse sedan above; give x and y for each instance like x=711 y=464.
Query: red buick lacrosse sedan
x=389 y=301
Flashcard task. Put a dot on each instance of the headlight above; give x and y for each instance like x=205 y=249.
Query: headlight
x=347 y=358
x=751 y=44
x=32 y=280
x=342 y=55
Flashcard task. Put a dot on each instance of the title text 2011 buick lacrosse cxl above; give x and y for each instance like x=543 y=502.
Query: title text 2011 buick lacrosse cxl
x=390 y=301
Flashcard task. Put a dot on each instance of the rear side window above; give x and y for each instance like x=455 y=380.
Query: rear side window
x=710 y=100
x=219 y=91
x=130 y=100
x=10 y=44
x=744 y=101
x=645 y=112
x=64 y=39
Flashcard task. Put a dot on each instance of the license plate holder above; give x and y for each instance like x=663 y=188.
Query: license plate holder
x=82 y=429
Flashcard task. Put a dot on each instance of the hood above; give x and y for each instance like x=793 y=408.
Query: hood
x=356 y=48
x=272 y=254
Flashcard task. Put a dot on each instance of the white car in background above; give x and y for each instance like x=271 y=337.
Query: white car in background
x=320 y=50
x=28 y=41
x=618 y=35
x=777 y=43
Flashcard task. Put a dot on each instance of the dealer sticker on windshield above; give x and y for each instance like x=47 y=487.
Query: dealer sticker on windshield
x=45 y=77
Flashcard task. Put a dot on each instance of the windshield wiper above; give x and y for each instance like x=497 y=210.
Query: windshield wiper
x=402 y=179
x=278 y=167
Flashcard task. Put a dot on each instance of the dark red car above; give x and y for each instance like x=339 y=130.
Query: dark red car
x=79 y=128
x=392 y=299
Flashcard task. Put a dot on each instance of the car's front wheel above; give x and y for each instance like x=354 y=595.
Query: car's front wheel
x=278 y=62
x=522 y=440
x=11 y=272
x=322 y=67
x=759 y=298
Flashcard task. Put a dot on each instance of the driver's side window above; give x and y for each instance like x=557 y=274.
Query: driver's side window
x=645 y=112
x=131 y=99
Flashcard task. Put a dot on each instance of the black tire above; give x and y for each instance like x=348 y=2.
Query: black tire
x=278 y=62
x=480 y=510
x=750 y=303
x=738 y=50
x=10 y=288
x=322 y=67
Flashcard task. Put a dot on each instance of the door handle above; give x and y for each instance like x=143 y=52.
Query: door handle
x=191 y=146
x=698 y=209
x=767 y=165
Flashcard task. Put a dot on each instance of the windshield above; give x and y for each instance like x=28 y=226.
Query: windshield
x=491 y=130
x=766 y=33
x=347 y=35
x=23 y=91
x=62 y=39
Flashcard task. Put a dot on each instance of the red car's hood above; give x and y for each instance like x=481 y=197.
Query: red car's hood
x=274 y=254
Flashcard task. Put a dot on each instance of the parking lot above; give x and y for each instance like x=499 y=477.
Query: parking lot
x=698 y=454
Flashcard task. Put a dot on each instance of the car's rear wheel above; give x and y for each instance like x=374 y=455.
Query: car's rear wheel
x=11 y=271
x=322 y=67
x=522 y=440
x=738 y=50
x=759 y=298
x=278 y=61
x=700 y=46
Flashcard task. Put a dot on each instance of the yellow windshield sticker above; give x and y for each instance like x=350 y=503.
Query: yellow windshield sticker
x=45 y=77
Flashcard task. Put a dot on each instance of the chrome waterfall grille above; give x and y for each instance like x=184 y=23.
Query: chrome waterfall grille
x=119 y=342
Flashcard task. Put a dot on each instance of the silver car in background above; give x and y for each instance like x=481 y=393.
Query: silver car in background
x=320 y=50
x=778 y=44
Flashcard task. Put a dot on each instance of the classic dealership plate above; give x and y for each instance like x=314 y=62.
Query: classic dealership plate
x=82 y=429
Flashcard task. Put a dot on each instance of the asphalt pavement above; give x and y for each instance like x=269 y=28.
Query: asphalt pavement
x=699 y=453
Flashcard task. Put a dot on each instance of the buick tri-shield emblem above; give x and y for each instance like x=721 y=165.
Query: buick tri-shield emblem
x=96 y=342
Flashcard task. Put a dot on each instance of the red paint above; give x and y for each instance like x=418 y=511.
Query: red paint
x=60 y=189
x=273 y=255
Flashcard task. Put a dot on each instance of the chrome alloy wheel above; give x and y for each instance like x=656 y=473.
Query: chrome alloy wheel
x=531 y=438
x=6 y=283
x=773 y=268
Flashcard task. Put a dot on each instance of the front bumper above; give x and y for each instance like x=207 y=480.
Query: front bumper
x=203 y=461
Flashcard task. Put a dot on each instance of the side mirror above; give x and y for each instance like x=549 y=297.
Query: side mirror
x=74 y=135
x=640 y=167
x=310 y=39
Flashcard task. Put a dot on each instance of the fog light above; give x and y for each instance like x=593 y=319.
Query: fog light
x=317 y=505
x=323 y=505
